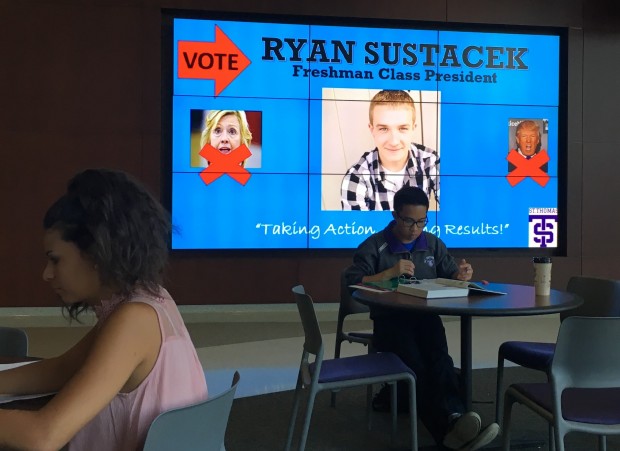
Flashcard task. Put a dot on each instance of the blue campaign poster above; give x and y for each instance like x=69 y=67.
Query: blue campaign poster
x=278 y=140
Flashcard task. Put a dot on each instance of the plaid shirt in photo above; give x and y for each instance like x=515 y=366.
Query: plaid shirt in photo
x=366 y=187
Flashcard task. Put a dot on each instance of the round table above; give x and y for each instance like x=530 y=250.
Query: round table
x=519 y=300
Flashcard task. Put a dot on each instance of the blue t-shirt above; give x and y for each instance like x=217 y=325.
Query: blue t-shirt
x=410 y=246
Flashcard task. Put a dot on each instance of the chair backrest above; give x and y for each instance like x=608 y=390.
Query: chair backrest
x=312 y=332
x=200 y=426
x=348 y=305
x=13 y=342
x=585 y=354
x=601 y=296
x=313 y=343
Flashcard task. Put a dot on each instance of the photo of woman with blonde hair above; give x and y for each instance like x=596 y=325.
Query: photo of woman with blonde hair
x=226 y=130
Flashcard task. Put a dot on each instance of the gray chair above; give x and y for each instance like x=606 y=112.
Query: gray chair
x=201 y=426
x=334 y=374
x=13 y=342
x=601 y=298
x=349 y=306
x=584 y=391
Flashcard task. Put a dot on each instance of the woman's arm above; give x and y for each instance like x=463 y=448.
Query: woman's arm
x=48 y=375
x=123 y=352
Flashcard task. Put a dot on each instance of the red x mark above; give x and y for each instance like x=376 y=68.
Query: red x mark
x=220 y=164
x=527 y=168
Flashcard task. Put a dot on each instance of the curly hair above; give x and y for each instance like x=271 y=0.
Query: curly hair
x=115 y=222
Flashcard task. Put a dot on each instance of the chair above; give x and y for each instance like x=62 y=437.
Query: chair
x=200 y=426
x=584 y=392
x=349 y=306
x=333 y=374
x=602 y=298
x=13 y=342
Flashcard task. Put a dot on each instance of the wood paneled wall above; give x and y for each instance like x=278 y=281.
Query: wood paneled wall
x=80 y=86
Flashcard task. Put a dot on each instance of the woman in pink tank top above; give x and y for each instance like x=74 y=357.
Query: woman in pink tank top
x=106 y=242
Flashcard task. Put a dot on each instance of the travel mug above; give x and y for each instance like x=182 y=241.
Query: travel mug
x=542 y=275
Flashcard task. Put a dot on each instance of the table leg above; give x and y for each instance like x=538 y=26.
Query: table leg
x=466 y=358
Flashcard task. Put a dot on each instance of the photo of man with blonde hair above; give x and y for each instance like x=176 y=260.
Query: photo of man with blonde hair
x=396 y=161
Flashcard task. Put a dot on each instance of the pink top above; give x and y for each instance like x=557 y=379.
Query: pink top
x=176 y=380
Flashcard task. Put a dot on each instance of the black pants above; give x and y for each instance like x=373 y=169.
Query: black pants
x=419 y=339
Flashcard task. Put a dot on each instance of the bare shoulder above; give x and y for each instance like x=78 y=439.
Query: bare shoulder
x=131 y=320
x=129 y=341
x=128 y=311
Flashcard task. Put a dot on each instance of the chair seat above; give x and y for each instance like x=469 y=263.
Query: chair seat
x=361 y=367
x=583 y=405
x=537 y=356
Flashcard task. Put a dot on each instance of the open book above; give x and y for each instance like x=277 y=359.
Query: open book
x=443 y=288
x=474 y=288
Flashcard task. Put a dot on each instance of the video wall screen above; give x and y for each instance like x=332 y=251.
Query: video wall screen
x=296 y=134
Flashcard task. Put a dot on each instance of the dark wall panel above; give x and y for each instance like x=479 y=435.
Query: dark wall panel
x=601 y=215
x=600 y=104
x=80 y=86
x=560 y=13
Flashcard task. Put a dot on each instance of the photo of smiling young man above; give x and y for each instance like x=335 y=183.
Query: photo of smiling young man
x=396 y=160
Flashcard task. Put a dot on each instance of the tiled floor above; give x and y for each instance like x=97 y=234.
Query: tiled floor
x=264 y=343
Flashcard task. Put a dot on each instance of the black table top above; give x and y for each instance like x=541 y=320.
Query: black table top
x=519 y=300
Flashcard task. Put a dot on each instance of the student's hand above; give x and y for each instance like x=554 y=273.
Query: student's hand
x=403 y=267
x=465 y=271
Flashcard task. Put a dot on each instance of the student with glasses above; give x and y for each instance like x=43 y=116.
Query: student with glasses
x=403 y=250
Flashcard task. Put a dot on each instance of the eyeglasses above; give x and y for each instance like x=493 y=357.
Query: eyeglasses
x=403 y=278
x=410 y=222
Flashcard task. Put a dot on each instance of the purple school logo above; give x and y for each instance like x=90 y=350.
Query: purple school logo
x=430 y=261
x=543 y=227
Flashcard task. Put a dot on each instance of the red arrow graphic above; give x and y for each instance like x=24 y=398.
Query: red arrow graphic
x=221 y=61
